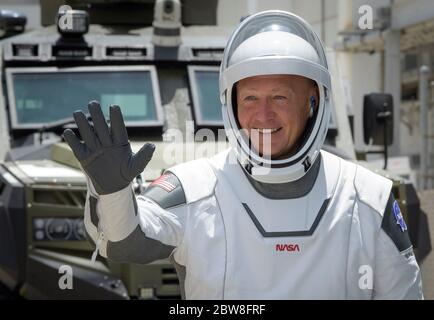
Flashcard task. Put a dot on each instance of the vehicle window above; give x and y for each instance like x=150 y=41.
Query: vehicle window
x=48 y=97
x=204 y=83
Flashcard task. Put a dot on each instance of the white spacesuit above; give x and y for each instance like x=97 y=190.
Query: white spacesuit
x=243 y=226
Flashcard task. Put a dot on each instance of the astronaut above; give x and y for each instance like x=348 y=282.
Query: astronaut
x=272 y=217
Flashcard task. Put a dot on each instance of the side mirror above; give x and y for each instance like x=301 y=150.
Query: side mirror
x=378 y=118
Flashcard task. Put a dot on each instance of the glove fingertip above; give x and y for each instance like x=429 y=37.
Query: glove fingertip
x=67 y=133
x=148 y=149
x=77 y=112
x=93 y=104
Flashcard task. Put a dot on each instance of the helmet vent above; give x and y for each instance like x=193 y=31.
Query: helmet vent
x=306 y=163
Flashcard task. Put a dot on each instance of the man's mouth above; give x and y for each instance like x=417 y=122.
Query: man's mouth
x=267 y=130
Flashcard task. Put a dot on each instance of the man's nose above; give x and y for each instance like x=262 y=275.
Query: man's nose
x=265 y=110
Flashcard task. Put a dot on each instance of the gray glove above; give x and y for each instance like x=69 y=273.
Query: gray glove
x=105 y=154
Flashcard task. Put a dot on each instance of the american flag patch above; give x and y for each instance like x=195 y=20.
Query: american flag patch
x=164 y=182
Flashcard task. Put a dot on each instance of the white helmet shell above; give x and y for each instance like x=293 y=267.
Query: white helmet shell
x=275 y=43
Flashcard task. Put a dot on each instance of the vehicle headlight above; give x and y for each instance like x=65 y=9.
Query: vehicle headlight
x=58 y=229
x=79 y=230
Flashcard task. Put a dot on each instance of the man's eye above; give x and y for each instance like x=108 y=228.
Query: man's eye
x=250 y=98
x=279 y=97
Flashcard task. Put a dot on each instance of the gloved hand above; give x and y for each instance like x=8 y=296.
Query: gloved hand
x=106 y=155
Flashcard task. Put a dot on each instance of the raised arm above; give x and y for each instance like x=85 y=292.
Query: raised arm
x=123 y=227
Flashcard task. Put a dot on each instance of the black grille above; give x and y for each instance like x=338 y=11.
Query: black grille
x=169 y=276
x=60 y=197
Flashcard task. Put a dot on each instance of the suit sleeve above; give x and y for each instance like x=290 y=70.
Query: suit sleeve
x=144 y=228
x=397 y=274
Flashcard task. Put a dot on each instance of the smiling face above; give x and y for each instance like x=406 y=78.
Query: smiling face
x=274 y=111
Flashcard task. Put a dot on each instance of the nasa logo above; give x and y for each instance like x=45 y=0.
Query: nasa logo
x=288 y=247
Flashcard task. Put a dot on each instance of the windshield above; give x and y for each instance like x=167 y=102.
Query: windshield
x=44 y=98
x=204 y=83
